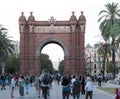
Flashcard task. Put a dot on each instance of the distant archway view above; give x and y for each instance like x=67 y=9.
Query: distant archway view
x=55 y=53
x=68 y=34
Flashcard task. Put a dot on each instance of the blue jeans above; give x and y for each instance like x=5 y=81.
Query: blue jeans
x=27 y=88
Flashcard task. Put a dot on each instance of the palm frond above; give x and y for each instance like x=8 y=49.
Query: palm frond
x=103 y=11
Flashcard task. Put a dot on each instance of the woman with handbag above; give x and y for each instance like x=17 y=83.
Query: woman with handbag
x=66 y=87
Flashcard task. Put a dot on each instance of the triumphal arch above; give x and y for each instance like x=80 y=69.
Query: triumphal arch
x=69 y=34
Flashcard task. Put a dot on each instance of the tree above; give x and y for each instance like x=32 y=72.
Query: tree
x=109 y=67
x=103 y=51
x=111 y=17
x=46 y=63
x=13 y=64
x=6 y=48
x=61 y=66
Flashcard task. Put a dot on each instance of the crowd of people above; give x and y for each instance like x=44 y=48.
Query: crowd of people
x=75 y=85
x=71 y=84
x=24 y=82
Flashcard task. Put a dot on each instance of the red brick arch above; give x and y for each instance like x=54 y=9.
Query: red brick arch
x=52 y=40
x=34 y=35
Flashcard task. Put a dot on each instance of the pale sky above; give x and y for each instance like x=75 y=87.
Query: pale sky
x=10 y=10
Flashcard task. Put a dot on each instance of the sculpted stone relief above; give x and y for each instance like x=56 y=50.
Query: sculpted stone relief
x=51 y=29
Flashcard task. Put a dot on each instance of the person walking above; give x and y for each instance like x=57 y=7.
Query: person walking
x=13 y=82
x=37 y=85
x=73 y=79
x=83 y=85
x=89 y=88
x=99 y=80
x=66 y=88
x=27 y=84
x=58 y=78
x=3 y=79
x=21 y=85
x=45 y=83
x=76 y=88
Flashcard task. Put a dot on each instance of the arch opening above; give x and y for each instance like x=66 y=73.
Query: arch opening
x=55 y=41
x=55 y=53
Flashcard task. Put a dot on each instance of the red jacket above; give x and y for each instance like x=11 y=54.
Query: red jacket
x=116 y=92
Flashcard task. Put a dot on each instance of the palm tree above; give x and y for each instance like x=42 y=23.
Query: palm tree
x=6 y=48
x=103 y=50
x=111 y=17
x=115 y=35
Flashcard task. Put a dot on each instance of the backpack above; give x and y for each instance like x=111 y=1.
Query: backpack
x=46 y=79
x=76 y=87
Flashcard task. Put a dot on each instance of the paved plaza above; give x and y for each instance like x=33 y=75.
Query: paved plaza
x=56 y=93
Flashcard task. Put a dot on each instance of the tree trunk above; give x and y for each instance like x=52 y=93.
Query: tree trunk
x=103 y=67
x=113 y=63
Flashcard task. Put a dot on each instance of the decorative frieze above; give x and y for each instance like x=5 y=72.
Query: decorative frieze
x=51 y=29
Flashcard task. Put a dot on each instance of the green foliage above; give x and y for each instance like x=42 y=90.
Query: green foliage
x=6 y=48
x=46 y=63
x=115 y=30
x=109 y=67
x=107 y=89
x=13 y=64
x=103 y=50
x=109 y=28
x=109 y=17
x=61 y=66
x=115 y=35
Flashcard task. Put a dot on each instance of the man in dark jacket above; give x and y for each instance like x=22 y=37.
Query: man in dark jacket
x=76 y=88
x=44 y=86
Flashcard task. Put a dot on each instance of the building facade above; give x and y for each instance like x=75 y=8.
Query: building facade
x=94 y=62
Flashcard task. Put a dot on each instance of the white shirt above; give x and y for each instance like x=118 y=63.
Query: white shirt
x=73 y=80
x=89 y=86
x=13 y=82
